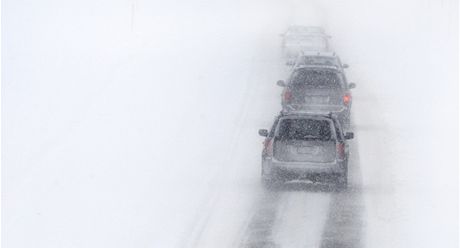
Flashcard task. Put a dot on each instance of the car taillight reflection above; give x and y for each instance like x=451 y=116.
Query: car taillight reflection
x=287 y=96
x=340 y=151
x=268 y=147
x=346 y=99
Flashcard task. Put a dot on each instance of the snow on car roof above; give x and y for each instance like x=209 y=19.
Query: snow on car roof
x=308 y=114
x=317 y=53
x=319 y=66
x=307 y=29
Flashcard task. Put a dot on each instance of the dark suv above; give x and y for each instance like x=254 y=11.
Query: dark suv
x=305 y=146
x=318 y=89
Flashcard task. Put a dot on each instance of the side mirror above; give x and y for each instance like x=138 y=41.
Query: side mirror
x=345 y=66
x=348 y=135
x=263 y=132
x=281 y=83
x=351 y=85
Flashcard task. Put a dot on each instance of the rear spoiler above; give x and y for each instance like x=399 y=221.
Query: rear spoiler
x=321 y=113
x=294 y=109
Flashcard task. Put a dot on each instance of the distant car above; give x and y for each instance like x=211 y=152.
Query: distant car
x=304 y=38
x=319 y=59
x=305 y=146
x=299 y=30
x=318 y=89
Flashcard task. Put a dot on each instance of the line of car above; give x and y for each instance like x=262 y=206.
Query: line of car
x=307 y=140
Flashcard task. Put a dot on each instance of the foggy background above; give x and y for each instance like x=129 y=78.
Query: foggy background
x=134 y=123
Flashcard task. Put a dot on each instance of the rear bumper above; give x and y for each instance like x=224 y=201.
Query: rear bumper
x=299 y=169
x=342 y=112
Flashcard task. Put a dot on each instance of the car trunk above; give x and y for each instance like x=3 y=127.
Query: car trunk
x=315 y=151
x=304 y=140
x=317 y=97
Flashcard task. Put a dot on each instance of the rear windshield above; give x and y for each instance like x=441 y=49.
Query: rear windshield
x=318 y=60
x=304 y=129
x=318 y=79
x=307 y=41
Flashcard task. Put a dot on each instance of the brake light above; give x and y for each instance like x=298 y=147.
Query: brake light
x=268 y=147
x=346 y=99
x=340 y=150
x=287 y=96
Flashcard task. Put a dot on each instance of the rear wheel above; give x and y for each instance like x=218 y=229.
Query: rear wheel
x=269 y=181
x=342 y=179
x=266 y=179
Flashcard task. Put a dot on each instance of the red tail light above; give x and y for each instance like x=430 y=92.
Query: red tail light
x=346 y=99
x=287 y=96
x=340 y=150
x=268 y=147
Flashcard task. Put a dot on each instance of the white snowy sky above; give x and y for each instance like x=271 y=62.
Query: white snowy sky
x=123 y=121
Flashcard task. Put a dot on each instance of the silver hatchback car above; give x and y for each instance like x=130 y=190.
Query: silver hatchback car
x=304 y=38
x=305 y=146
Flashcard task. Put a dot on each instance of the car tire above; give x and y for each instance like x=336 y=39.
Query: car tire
x=342 y=181
x=269 y=182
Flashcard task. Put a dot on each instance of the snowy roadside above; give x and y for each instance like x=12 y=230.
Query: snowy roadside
x=403 y=58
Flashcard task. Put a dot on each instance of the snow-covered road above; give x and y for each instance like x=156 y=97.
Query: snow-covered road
x=133 y=123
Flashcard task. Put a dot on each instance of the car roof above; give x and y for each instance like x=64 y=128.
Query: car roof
x=318 y=54
x=318 y=67
x=306 y=114
x=317 y=61
x=305 y=29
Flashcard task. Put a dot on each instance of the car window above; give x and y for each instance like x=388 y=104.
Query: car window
x=318 y=79
x=307 y=39
x=272 y=130
x=304 y=129
x=318 y=60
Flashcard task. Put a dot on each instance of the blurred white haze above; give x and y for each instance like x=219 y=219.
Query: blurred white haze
x=133 y=123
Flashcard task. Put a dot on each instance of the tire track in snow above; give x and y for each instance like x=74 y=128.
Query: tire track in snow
x=301 y=219
x=259 y=230
x=291 y=216
x=344 y=227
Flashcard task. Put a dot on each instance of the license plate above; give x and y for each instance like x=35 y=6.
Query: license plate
x=306 y=150
x=317 y=99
